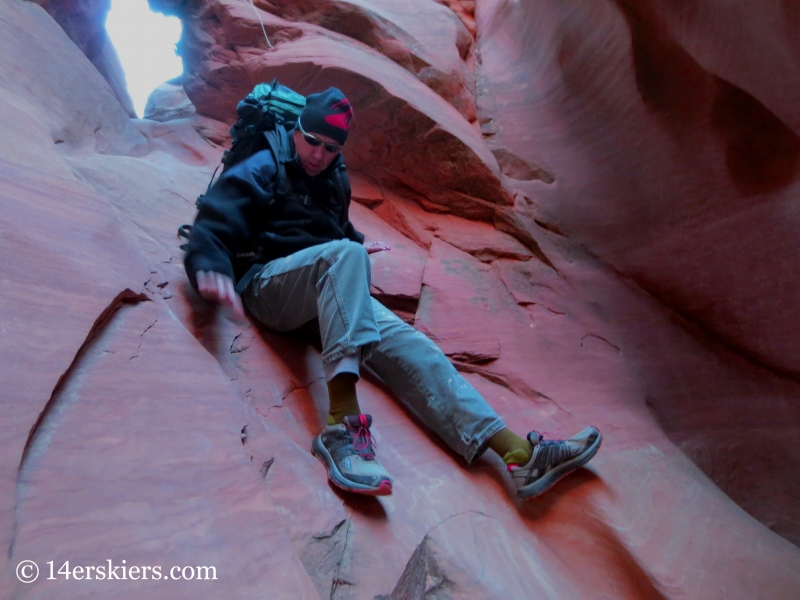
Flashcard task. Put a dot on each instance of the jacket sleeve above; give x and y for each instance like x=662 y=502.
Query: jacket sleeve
x=347 y=227
x=227 y=220
x=352 y=234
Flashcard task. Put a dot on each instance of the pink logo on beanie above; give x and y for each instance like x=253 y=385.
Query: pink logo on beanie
x=340 y=120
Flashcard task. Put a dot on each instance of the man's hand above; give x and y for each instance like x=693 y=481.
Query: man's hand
x=373 y=247
x=219 y=288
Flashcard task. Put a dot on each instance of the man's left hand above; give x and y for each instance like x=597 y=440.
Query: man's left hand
x=373 y=247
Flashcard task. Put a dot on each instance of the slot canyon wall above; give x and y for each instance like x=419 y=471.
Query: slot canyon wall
x=592 y=210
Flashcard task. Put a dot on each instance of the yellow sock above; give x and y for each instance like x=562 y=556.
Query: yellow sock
x=517 y=457
x=343 y=398
x=513 y=449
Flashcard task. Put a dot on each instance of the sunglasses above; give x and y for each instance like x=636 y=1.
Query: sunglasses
x=316 y=142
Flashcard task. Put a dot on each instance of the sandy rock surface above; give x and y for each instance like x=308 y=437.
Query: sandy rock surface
x=143 y=426
x=168 y=102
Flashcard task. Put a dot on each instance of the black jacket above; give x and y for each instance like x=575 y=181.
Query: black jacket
x=242 y=222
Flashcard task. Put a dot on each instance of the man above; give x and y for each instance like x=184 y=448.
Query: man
x=298 y=258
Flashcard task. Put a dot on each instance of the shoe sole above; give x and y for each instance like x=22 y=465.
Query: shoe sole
x=336 y=478
x=553 y=476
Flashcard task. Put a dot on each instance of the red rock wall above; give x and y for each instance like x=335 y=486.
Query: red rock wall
x=671 y=132
x=84 y=21
x=142 y=426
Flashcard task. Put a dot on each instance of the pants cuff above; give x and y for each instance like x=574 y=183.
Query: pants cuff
x=481 y=442
x=347 y=364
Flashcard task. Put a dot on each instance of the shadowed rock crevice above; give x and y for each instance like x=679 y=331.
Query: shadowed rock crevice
x=62 y=397
x=46 y=422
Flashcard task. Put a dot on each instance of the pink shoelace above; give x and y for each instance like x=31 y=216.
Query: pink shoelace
x=363 y=442
x=549 y=434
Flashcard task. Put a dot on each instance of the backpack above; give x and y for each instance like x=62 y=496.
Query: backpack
x=266 y=116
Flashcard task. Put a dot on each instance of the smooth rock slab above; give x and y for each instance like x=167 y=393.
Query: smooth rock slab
x=674 y=145
x=90 y=490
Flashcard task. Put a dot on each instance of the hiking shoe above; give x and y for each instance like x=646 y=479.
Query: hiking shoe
x=348 y=452
x=552 y=460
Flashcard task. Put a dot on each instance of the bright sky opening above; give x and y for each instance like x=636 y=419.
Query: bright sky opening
x=145 y=42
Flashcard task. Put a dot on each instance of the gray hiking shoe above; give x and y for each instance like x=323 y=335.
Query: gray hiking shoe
x=552 y=460
x=348 y=452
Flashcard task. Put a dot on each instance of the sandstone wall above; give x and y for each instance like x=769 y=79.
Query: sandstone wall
x=142 y=426
x=671 y=133
x=84 y=21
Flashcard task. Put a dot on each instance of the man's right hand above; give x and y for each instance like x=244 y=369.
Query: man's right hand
x=219 y=288
x=373 y=247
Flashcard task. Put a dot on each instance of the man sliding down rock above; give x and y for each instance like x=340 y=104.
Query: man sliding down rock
x=299 y=258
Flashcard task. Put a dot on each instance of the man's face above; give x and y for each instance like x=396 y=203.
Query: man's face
x=314 y=159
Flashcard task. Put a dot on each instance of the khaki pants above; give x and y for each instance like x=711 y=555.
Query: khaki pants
x=330 y=282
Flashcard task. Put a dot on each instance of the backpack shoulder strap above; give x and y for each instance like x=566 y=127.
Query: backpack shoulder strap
x=342 y=185
x=278 y=141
